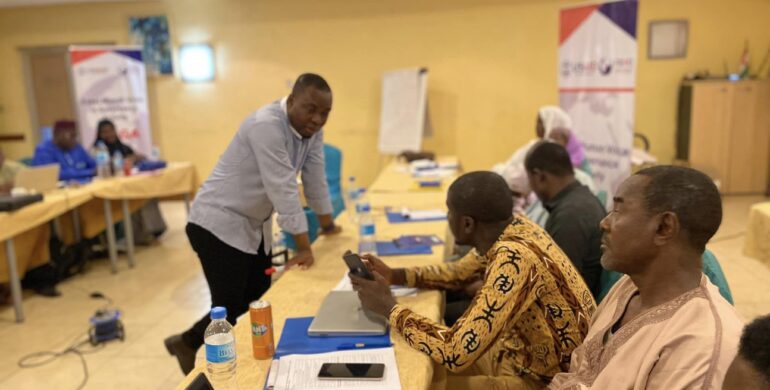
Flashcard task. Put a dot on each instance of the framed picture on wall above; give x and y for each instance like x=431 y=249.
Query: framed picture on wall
x=667 y=39
x=152 y=33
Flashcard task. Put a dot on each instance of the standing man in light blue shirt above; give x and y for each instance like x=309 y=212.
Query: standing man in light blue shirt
x=230 y=223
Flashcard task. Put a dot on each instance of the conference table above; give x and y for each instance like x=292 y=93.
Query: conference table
x=299 y=293
x=83 y=211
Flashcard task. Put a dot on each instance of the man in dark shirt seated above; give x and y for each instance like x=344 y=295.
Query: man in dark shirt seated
x=574 y=212
x=65 y=150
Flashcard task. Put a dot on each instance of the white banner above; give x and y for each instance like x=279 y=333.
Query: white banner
x=403 y=113
x=110 y=82
x=597 y=77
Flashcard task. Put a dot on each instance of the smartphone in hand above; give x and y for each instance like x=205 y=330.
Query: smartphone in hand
x=356 y=265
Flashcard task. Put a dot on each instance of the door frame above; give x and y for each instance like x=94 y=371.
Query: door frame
x=26 y=52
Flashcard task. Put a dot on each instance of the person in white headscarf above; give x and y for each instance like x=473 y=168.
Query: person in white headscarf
x=552 y=124
x=555 y=124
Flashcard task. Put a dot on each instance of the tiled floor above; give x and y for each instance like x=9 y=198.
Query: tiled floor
x=162 y=295
x=166 y=292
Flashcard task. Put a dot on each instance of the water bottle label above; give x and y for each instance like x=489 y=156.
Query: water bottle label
x=367 y=230
x=223 y=353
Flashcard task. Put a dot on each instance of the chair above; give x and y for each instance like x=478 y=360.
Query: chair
x=710 y=267
x=602 y=196
x=333 y=160
x=333 y=163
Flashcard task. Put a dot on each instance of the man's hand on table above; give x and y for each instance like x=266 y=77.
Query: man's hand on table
x=302 y=259
x=331 y=230
x=327 y=225
x=374 y=294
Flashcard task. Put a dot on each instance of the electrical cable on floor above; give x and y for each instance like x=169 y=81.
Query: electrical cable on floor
x=38 y=359
x=42 y=358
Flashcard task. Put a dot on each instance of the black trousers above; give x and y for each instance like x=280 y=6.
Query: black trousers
x=457 y=302
x=235 y=278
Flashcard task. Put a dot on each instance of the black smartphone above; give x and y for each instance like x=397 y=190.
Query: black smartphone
x=356 y=265
x=353 y=371
x=200 y=383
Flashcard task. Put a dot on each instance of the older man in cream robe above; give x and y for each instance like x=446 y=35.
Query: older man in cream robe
x=663 y=325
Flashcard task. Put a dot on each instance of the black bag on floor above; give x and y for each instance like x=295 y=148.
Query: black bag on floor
x=39 y=277
x=67 y=260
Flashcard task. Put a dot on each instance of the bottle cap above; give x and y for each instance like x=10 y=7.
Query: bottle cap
x=218 y=313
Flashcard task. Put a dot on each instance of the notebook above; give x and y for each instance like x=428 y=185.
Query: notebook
x=390 y=248
x=417 y=240
x=295 y=339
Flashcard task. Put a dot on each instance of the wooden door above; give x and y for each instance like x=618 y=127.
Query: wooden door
x=762 y=136
x=709 y=138
x=50 y=85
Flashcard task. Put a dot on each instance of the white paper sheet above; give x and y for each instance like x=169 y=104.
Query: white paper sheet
x=403 y=114
x=437 y=173
x=301 y=371
x=398 y=291
x=272 y=375
x=416 y=215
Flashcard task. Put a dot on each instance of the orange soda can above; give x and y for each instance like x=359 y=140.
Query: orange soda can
x=262 y=329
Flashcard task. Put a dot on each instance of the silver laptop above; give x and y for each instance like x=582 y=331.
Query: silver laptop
x=341 y=314
x=39 y=179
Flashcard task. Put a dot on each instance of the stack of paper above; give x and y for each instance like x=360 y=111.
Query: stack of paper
x=418 y=240
x=428 y=168
x=438 y=172
x=407 y=215
x=301 y=371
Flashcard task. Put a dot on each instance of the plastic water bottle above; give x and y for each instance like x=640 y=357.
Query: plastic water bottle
x=353 y=194
x=117 y=164
x=366 y=229
x=102 y=160
x=220 y=349
x=278 y=246
x=155 y=153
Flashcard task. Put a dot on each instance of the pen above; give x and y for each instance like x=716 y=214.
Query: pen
x=362 y=345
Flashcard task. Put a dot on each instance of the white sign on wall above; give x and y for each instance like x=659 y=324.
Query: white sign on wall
x=110 y=82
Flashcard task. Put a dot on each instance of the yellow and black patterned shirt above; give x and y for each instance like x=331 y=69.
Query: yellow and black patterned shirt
x=533 y=306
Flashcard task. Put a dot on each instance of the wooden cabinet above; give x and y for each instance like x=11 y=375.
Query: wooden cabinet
x=724 y=131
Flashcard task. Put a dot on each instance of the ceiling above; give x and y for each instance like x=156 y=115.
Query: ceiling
x=27 y=3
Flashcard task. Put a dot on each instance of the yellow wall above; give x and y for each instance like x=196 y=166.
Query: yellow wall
x=492 y=64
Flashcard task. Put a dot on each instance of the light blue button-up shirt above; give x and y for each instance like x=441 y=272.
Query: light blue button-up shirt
x=256 y=175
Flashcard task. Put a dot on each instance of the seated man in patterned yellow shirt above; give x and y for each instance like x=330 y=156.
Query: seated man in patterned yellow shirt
x=532 y=310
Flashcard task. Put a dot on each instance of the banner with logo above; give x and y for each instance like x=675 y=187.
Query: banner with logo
x=597 y=77
x=110 y=82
